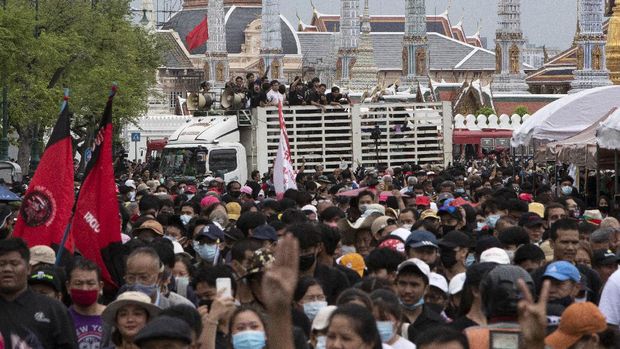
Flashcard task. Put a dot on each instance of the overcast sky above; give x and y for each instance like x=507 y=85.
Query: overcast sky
x=544 y=22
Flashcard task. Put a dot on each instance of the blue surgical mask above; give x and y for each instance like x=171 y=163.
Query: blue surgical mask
x=566 y=190
x=149 y=290
x=413 y=306
x=312 y=308
x=321 y=342
x=205 y=251
x=492 y=220
x=459 y=190
x=249 y=340
x=185 y=218
x=470 y=260
x=480 y=225
x=386 y=330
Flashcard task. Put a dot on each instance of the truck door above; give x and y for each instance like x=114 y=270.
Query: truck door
x=223 y=163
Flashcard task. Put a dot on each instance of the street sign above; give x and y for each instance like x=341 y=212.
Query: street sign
x=135 y=136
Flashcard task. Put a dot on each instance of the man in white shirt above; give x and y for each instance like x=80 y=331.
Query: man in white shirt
x=610 y=299
x=274 y=97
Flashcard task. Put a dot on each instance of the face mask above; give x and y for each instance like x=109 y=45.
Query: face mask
x=447 y=228
x=185 y=218
x=205 y=251
x=480 y=225
x=346 y=249
x=386 y=330
x=235 y=194
x=459 y=191
x=84 y=298
x=603 y=209
x=413 y=306
x=249 y=340
x=362 y=208
x=407 y=226
x=564 y=301
x=306 y=262
x=181 y=191
x=566 y=190
x=321 y=342
x=448 y=258
x=492 y=220
x=190 y=196
x=149 y=290
x=312 y=308
x=470 y=260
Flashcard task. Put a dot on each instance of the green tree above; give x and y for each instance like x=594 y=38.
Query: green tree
x=521 y=110
x=485 y=111
x=76 y=44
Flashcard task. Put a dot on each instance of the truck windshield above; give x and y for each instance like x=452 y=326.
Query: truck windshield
x=183 y=162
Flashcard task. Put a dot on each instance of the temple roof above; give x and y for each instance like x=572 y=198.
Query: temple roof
x=237 y=19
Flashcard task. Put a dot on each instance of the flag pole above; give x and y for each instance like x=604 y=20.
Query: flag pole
x=65 y=235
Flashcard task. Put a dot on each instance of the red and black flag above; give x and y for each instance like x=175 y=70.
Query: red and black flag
x=46 y=207
x=96 y=225
x=198 y=36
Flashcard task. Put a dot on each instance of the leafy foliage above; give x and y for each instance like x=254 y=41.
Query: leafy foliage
x=521 y=110
x=485 y=111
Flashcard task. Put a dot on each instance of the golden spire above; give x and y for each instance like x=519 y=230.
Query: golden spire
x=613 y=45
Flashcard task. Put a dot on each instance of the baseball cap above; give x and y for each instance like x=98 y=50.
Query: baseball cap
x=208 y=201
x=246 y=190
x=212 y=232
x=130 y=183
x=414 y=264
x=150 y=224
x=455 y=239
x=401 y=233
x=42 y=254
x=164 y=327
x=191 y=189
x=265 y=232
x=537 y=207
x=321 y=320
x=530 y=219
x=429 y=214
x=422 y=200
x=421 y=238
x=562 y=271
x=578 y=320
x=353 y=261
x=604 y=257
x=444 y=196
x=234 y=210
x=393 y=244
x=593 y=216
x=438 y=281
x=456 y=283
x=495 y=255
x=380 y=223
x=47 y=276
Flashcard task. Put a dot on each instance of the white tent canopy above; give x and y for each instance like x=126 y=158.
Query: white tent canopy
x=608 y=133
x=568 y=116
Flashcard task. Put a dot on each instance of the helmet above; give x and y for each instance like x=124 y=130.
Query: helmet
x=500 y=292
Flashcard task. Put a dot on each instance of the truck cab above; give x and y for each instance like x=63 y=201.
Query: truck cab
x=207 y=145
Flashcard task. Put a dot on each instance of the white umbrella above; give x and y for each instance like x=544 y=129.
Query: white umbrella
x=568 y=115
x=608 y=133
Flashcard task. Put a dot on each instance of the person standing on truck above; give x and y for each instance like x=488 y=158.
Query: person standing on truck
x=274 y=97
x=259 y=97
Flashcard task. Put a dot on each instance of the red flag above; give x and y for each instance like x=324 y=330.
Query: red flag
x=96 y=222
x=198 y=36
x=283 y=173
x=46 y=207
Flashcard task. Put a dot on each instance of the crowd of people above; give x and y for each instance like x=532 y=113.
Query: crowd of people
x=467 y=257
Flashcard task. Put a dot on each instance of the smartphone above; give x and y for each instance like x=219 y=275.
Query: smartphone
x=223 y=284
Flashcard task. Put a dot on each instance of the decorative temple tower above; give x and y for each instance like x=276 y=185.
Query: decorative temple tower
x=271 y=41
x=509 y=76
x=415 y=45
x=364 y=70
x=349 y=27
x=591 y=66
x=613 y=44
x=216 y=57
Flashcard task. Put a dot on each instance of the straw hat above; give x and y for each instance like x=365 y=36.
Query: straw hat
x=130 y=297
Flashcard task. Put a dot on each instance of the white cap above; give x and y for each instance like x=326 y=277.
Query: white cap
x=309 y=208
x=418 y=263
x=438 y=281
x=495 y=255
x=130 y=183
x=402 y=233
x=456 y=284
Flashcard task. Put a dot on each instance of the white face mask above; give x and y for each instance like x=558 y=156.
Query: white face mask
x=132 y=196
x=185 y=218
x=407 y=226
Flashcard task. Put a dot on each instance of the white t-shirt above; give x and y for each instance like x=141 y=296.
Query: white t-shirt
x=275 y=97
x=402 y=343
x=610 y=299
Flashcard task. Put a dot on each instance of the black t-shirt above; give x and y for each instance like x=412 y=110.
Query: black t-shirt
x=296 y=97
x=462 y=323
x=428 y=319
x=37 y=320
x=333 y=97
x=257 y=98
x=313 y=96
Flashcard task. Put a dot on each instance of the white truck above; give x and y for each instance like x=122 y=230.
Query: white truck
x=232 y=146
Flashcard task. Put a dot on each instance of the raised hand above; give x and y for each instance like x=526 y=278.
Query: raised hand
x=533 y=315
x=280 y=278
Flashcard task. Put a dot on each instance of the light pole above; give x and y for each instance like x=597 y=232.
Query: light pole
x=35 y=151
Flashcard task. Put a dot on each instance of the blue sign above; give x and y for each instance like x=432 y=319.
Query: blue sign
x=135 y=136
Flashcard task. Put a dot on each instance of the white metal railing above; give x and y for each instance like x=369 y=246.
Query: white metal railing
x=410 y=132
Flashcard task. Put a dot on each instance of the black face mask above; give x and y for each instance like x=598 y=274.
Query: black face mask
x=206 y=302
x=448 y=258
x=603 y=209
x=564 y=301
x=445 y=229
x=306 y=262
x=235 y=194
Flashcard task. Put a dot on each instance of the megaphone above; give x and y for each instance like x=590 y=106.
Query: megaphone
x=195 y=101
x=232 y=100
